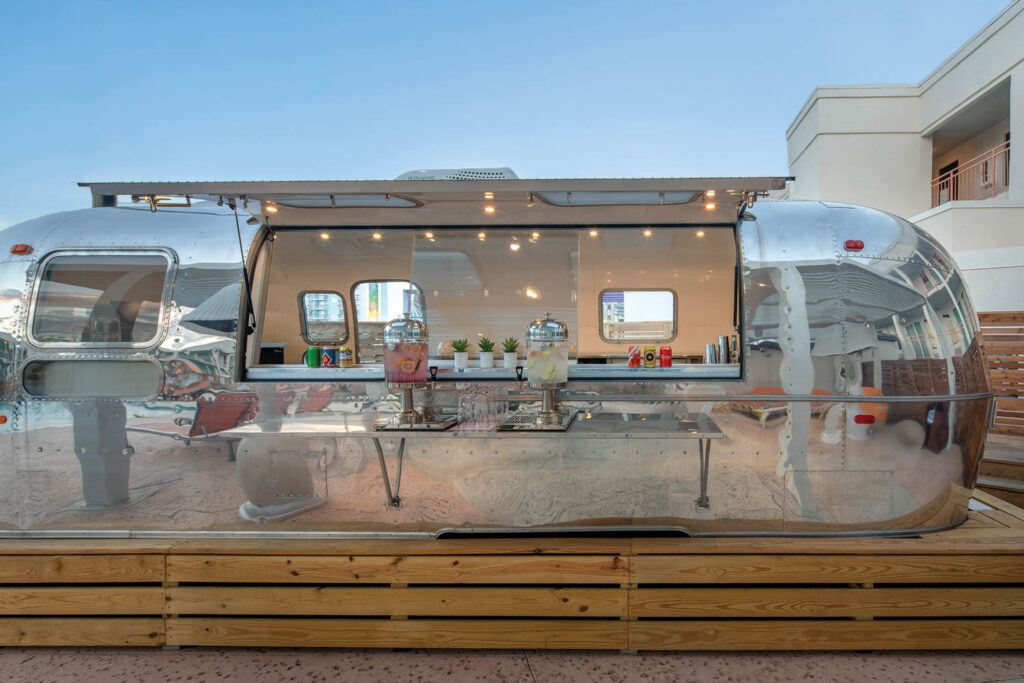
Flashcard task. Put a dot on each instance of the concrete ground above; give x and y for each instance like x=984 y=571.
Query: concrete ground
x=199 y=665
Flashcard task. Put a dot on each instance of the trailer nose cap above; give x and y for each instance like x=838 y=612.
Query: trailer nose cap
x=854 y=245
x=21 y=249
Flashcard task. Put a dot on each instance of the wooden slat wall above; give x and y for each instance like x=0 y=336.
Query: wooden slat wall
x=1003 y=340
x=962 y=588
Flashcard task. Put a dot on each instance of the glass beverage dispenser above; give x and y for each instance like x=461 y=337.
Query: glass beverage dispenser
x=547 y=368
x=405 y=368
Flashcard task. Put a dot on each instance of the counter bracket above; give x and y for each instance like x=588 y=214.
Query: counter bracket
x=393 y=500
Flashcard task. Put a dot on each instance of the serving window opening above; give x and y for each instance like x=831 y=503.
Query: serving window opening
x=614 y=287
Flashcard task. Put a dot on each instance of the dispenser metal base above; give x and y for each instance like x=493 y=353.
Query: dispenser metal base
x=532 y=422
x=394 y=424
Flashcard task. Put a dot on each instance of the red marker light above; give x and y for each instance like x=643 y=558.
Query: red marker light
x=854 y=245
x=3 y=419
x=864 y=419
x=21 y=249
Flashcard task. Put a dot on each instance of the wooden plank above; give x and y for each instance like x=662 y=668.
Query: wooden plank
x=1015 y=497
x=1001 y=317
x=430 y=633
x=36 y=600
x=999 y=504
x=397 y=569
x=405 y=546
x=690 y=603
x=827 y=568
x=1000 y=329
x=1009 y=430
x=429 y=602
x=783 y=634
x=1011 y=376
x=1004 y=348
x=993 y=516
x=85 y=546
x=60 y=632
x=81 y=568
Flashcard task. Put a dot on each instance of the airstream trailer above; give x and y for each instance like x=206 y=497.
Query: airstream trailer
x=275 y=358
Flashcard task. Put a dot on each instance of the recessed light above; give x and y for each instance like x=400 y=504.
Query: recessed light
x=709 y=193
x=270 y=208
x=325 y=236
x=514 y=246
x=647 y=233
x=482 y=236
x=488 y=195
x=593 y=233
x=710 y=205
x=377 y=235
x=700 y=233
x=535 y=235
x=429 y=235
x=489 y=209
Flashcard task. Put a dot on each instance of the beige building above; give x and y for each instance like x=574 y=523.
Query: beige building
x=936 y=152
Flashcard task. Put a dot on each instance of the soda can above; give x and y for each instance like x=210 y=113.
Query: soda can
x=635 y=356
x=313 y=357
x=650 y=357
x=345 y=358
x=328 y=357
x=666 y=356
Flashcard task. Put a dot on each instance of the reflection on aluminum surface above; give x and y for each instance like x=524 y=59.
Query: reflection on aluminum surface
x=863 y=406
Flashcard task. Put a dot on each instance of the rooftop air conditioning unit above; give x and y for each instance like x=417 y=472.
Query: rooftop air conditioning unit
x=502 y=173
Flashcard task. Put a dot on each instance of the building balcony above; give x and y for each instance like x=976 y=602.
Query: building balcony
x=984 y=176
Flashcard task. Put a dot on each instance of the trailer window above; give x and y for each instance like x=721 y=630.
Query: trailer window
x=323 y=317
x=642 y=315
x=101 y=300
x=377 y=303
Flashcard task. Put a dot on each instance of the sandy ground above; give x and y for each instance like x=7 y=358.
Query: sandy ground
x=201 y=665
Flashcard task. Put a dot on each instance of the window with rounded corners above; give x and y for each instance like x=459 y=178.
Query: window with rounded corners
x=101 y=299
x=637 y=315
x=377 y=302
x=324 y=318
x=121 y=379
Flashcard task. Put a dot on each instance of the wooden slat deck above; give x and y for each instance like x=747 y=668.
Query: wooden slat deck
x=962 y=588
x=1003 y=341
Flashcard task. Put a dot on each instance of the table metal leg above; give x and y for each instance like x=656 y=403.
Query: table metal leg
x=705 y=461
x=392 y=498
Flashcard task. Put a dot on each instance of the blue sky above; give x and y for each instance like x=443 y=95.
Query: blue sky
x=108 y=90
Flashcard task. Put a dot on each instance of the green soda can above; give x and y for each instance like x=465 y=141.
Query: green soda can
x=313 y=357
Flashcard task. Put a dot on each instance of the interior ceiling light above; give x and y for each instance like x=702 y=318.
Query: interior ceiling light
x=482 y=236
x=710 y=206
x=429 y=235
x=593 y=233
x=700 y=233
x=535 y=235
x=270 y=208
x=489 y=209
x=488 y=195
x=709 y=193
x=377 y=235
x=514 y=246
x=325 y=236
x=647 y=233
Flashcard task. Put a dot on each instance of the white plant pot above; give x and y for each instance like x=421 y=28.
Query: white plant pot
x=487 y=359
x=461 y=359
x=509 y=360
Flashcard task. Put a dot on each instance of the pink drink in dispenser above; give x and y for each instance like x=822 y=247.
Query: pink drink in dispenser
x=405 y=351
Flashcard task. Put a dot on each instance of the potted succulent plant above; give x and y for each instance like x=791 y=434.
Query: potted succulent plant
x=461 y=348
x=511 y=346
x=486 y=352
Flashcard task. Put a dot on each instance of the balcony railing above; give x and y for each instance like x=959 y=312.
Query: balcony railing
x=984 y=176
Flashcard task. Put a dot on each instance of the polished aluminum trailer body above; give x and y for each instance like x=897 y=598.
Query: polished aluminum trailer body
x=860 y=404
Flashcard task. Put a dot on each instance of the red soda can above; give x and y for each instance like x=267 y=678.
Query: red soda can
x=635 y=356
x=666 y=356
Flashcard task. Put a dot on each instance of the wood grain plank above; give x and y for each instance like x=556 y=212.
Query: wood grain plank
x=1008 y=430
x=689 y=603
x=82 y=546
x=1001 y=317
x=81 y=568
x=781 y=634
x=35 y=600
x=431 y=633
x=999 y=504
x=397 y=569
x=63 y=632
x=429 y=602
x=827 y=568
